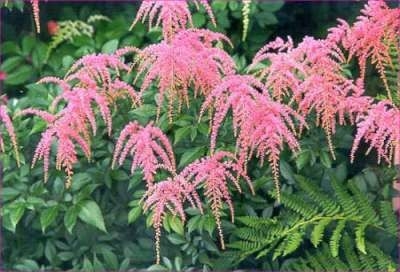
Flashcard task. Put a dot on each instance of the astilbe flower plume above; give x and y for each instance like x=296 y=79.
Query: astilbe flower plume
x=380 y=128
x=260 y=124
x=101 y=72
x=371 y=36
x=311 y=74
x=190 y=59
x=70 y=126
x=169 y=195
x=97 y=69
x=149 y=148
x=5 y=119
x=173 y=15
x=66 y=130
x=214 y=173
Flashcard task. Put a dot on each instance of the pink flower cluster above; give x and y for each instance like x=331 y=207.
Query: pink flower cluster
x=89 y=82
x=190 y=59
x=6 y=121
x=173 y=15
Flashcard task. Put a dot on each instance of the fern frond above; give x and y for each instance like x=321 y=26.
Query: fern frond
x=388 y=217
x=363 y=205
x=336 y=237
x=318 y=231
x=344 y=198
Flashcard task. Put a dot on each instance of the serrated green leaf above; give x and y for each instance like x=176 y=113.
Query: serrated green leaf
x=134 y=214
x=318 y=231
x=90 y=213
x=20 y=75
x=110 y=47
x=336 y=237
x=70 y=217
x=48 y=216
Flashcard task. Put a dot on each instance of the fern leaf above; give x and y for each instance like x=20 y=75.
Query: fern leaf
x=349 y=253
x=344 y=198
x=297 y=204
x=336 y=237
x=318 y=231
x=383 y=261
x=388 y=217
x=326 y=203
x=293 y=242
x=364 y=205
x=360 y=237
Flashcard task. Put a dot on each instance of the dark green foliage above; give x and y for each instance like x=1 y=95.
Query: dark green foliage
x=336 y=222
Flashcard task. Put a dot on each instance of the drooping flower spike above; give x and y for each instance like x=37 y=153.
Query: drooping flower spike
x=189 y=60
x=70 y=126
x=169 y=196
x=215 y=173
x=92 y=70
x=380 y=128
x=261 y=125
x=173 y=15
x=36 y=17
x=149 y=147
x=6 y=121
x=311 y=75
x=371 y=36
x=66 y=130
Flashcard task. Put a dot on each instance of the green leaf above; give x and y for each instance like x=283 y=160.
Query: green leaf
x=10 y=63
x=272 y=6
x=318 y=231
x=66 y=255
x=19 y=76
x=134 y=214
x=110 y=259
x=176 y=225
x=190 y=155
x=9 y=193
x=48 y=216
x=303 y=159
x=336 y=237
x=266 y=18
x=360 y=237
x=28 y=43
x=70 y=217
x=181 y=133
x=326 y=159
x=110 y=47
x=87 y=265
x=90 y=213
x=145 y=111
x=50 y=251
x=16 y=213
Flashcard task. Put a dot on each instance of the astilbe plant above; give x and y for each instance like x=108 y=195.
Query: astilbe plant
x=213 y=174
x=149 y=148
x=69 y=127
x=371 y=36
x=169 y=196
x=260 y=124
x=172 y=15
x=311 y=74
x=92 y=80
x=6 y=121
x=189 y=60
